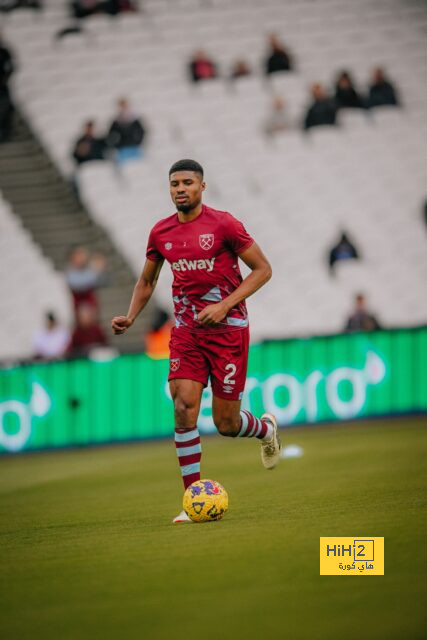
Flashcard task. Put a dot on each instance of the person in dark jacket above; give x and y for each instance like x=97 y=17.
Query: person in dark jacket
x=126 y=133
x=85 y=8
x=322 y=111
x=346 y=94
x=6 y=113
x=344 y=250
x=279 y=58
x=381 y=90
x=89 y=147
x=7 y=67
x=361 y=319
x=11 y=5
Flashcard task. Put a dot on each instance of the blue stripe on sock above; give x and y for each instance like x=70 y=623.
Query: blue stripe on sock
x=190 y=468
x=188 y=451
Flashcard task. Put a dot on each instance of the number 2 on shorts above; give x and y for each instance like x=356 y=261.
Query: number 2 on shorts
x=232 y=369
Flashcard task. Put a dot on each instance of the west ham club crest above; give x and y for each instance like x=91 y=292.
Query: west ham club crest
x=174 y=364
x=206 y=240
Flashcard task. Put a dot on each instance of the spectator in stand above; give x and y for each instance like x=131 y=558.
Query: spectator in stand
x=240 y=69
x=6 y=113
x=128 y=5
x=7 y=67
x=83 y=8
x=201 y=67
x=126 y=134
x=381 y=90
x=89 y=147
x=85 y=274
x=279 y=58
x=158 y=338
x=322 y=111
x=277 y=120
x=343 y=250
x=86 y=8
x=87 y=333
x=52 y=342
x=361 y=319
x=346 y=94
x=10 y=5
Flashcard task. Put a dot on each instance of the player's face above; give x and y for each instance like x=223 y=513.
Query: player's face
x=186 y=188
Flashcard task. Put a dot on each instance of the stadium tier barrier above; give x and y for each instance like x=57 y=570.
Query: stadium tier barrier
x=328 y=378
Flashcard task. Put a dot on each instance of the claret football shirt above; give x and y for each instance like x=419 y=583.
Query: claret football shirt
x=203 y=256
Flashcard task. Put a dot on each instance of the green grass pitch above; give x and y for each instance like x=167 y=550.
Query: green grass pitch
x=88 y=550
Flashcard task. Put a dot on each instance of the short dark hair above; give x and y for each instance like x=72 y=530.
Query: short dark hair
x=186 y=165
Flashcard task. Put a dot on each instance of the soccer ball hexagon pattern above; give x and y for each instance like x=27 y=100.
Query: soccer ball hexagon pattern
x=205 y=500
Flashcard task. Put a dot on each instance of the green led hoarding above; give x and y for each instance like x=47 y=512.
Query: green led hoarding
x=341 y=377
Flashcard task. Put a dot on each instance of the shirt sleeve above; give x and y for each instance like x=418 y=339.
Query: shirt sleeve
x=236 y=235
x=152 y=252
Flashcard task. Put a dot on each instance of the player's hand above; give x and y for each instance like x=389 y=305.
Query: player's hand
x=119 y=324
x=213 y=313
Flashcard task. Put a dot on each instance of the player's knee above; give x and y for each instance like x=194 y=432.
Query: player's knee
x=183 y=409
x=227 y=426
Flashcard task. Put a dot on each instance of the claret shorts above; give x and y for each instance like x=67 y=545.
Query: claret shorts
x=222 y=357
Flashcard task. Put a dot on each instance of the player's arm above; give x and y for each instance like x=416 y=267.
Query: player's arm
x=141 y=294
x=260 y=274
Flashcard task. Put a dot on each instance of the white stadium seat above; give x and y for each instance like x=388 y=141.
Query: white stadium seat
x=295 y=193
x=32 y=287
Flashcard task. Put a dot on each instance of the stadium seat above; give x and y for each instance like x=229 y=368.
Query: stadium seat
x=32 y=287
x=296 y=192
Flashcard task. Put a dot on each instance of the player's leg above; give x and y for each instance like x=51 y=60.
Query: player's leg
x=186 y=396
x=226 y=416
x=228 y=374
x=188 y=374
x=231 y=421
